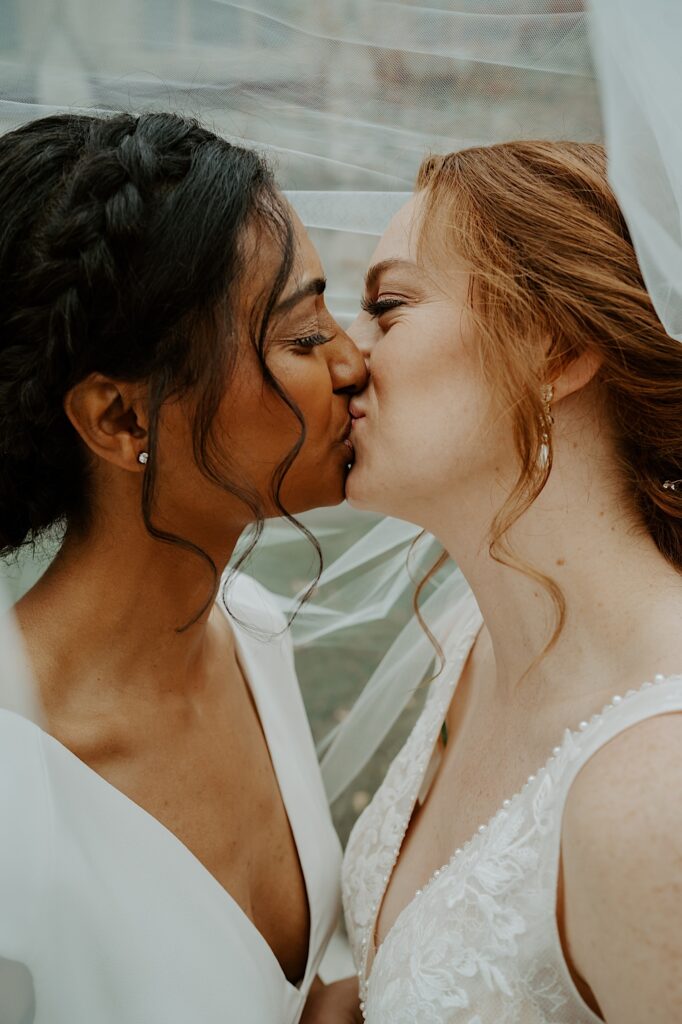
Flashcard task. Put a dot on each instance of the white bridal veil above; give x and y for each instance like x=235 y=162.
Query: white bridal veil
x=346 y=97
x=637 y=54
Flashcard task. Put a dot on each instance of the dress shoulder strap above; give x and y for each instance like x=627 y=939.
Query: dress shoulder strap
x=660 y=697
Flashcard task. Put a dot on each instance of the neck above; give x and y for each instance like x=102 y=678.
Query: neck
x=623 y=599
x=116 y=607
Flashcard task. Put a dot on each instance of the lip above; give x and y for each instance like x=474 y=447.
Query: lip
x=346 y=441
x=356 y=412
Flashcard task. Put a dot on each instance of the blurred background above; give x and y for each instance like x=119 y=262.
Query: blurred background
x=345 y=97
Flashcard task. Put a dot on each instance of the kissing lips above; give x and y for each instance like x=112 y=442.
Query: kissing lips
x=356 y=413
x=348 y=444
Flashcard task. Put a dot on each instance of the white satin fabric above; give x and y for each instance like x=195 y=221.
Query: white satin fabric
x=106 y=917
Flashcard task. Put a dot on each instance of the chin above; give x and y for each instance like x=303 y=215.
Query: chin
x=318 y=484
x=324 y=499
x=329 y=500
x=367 y=494
x=332 y=494
x=357 y=495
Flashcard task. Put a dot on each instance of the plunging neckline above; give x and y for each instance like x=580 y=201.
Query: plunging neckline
x=449 y=687
x=277 y=755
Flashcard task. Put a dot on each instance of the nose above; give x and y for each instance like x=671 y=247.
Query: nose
x=363 y=331
x=348 y=367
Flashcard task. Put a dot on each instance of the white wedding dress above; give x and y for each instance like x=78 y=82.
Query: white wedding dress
x=479 y=944
x=107 y=918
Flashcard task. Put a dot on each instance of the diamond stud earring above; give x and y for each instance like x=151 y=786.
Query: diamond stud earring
x=143 y=458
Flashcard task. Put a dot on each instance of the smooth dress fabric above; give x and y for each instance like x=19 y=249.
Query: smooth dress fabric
x=479 y=944
x=109 y=918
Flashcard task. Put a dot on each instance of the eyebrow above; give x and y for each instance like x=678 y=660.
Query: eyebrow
x=314 y=287
x=377 y=269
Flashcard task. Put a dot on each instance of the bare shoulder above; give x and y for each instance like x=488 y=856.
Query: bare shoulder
x=632 y=782
x=622 y=861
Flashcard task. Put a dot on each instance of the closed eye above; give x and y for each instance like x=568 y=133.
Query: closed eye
x=311 y=340
x=375 y=309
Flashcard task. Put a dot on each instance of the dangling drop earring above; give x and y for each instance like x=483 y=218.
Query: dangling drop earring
x=547 y=395
x=143 y=458
x=673 y=485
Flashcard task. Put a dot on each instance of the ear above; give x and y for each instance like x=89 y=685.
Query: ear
x=111 y=418
x=577 y=374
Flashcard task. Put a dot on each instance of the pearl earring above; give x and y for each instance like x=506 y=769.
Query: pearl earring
x=547 y=395
x=143 y=458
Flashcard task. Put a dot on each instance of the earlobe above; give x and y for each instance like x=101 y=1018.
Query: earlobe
x=577 y=374
x=109 y=416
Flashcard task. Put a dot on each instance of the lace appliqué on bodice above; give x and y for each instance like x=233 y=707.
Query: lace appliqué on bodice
x=479 y=944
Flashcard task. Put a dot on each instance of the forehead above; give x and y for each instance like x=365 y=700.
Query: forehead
x=306 y=257
x=400 y=239
x=266 y=252
x=402 y=254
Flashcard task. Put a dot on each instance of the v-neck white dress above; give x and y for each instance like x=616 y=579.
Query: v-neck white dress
x=107 y=918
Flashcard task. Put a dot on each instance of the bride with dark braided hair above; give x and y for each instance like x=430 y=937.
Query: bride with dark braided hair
x=169 y=375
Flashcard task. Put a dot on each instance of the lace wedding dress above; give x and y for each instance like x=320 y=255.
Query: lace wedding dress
x=479 y=944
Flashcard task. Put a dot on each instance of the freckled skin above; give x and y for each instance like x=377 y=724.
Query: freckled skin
x=427 y=409
x=433 y=448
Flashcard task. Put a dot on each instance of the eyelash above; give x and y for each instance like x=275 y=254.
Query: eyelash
x=375 y=309
x=311 y=341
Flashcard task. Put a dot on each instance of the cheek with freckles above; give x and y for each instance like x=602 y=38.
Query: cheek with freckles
x=422 y=434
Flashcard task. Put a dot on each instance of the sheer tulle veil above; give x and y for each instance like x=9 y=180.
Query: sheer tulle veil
x=346 y=98
x=637 y=55
x=637 y=58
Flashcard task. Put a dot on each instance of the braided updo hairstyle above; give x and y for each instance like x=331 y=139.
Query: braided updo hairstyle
x=120 y=246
